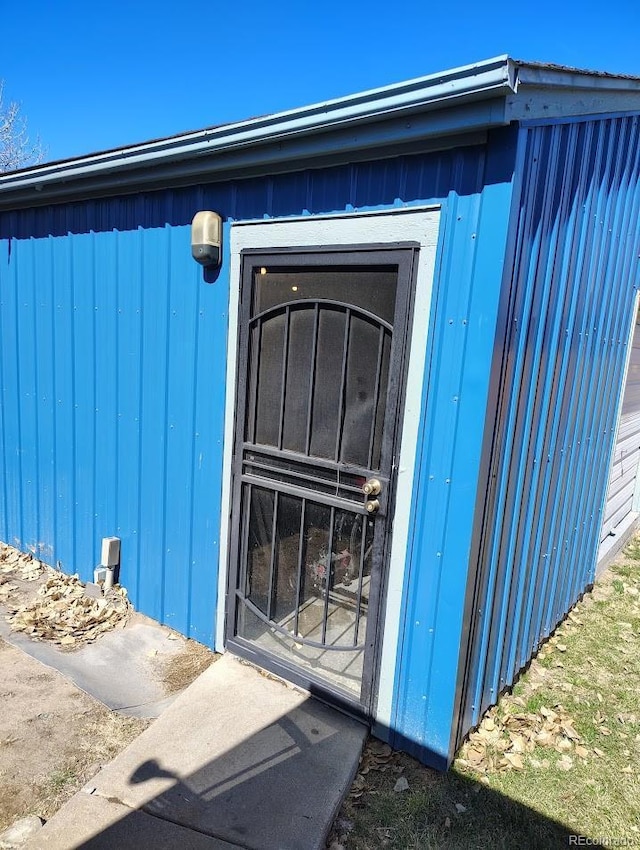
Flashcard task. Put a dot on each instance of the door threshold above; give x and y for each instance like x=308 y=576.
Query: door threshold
x=278 y=671
x=267 y=674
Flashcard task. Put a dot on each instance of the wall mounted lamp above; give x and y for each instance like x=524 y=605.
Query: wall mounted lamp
x=206 y=229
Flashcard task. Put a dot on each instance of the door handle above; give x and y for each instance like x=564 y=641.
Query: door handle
x=372 y=506
x=372 y=487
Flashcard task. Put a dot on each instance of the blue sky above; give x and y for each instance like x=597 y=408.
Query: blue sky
x=92 y=76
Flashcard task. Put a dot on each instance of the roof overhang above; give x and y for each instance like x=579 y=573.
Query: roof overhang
x=440 y=110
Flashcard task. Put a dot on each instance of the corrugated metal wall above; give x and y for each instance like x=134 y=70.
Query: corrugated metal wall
x=113 y=358
x=568 y=311
x=107 y=343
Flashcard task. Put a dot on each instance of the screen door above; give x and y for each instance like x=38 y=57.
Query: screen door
x=322 y=341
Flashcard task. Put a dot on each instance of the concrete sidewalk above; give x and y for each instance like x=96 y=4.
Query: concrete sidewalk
x=239 y=760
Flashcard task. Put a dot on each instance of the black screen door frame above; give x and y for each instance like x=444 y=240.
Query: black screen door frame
x=404 y=256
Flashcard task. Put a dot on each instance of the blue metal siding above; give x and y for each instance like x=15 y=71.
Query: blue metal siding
x=568 y=308
x=104 y=336
x=462 y=334
x=113 y=359
x=124 y=383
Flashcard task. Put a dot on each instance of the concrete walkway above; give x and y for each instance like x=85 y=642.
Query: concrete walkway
x=239 y=760
x=120 y=669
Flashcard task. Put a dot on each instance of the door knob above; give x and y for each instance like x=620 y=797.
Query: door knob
x=372 y=505
x=372 y=487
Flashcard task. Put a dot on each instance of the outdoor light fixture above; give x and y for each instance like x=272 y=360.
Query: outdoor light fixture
x=206 y=229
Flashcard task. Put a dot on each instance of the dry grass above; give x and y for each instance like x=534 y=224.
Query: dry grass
x=179 y=670
x=53 y=737
x=106 y=734
x=554 y=785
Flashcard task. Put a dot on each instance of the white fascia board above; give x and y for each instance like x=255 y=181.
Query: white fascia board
x=542 y=105
x=557 y=76
x=550 y=92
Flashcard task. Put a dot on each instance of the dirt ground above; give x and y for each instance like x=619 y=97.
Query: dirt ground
x=53 y=737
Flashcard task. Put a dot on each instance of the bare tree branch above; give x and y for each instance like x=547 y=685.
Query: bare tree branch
x=16 y=148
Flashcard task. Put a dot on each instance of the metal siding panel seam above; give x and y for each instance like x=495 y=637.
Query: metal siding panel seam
x=11 y=401
x=25 y=387
x=486 y=580
x=153 y=419
x=29 y=404
x=128 y=382
x=64 y=434
x=496 y=624
x=456 y=391
x=44 y=339
x=85 y=403
x=183 y=289
x=208 y=417
x=5 y=269
x=108 y=352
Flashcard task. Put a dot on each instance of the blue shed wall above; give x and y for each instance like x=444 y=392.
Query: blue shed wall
x=106 y=338
x=113 y=357
x=568 y=308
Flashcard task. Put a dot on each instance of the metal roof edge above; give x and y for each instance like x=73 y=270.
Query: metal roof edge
x=490 y=79
x=550 y=93
x=547 y=75
x=461 y=100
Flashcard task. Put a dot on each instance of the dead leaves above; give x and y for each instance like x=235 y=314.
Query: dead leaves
x=377 y=758
x=19 y=564
x=63 y=614
x=514 y=760
x=60 y=611
x=506 y=738
x=515 y=734
x=7 y=588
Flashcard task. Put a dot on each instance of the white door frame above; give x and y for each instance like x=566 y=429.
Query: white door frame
x=407 y=224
